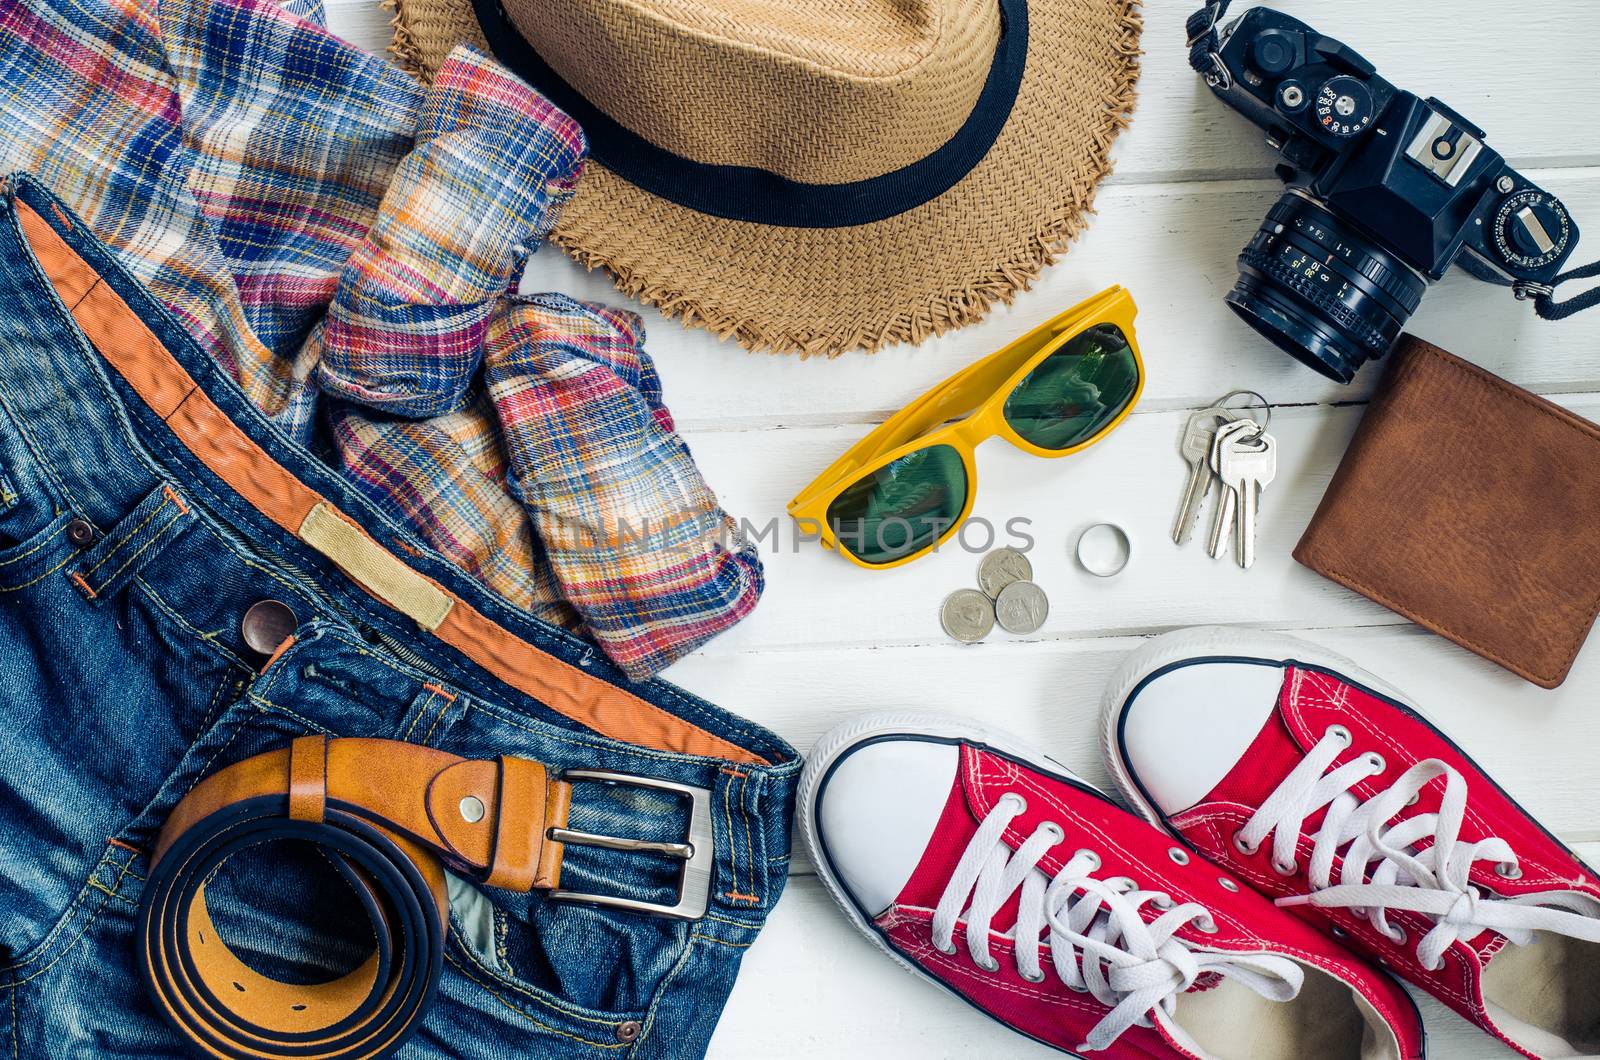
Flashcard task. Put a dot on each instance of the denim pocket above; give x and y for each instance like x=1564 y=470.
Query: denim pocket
x=30 y=561
x=96 y=705
x=30 y=495
x=85 y=761
x=485 y=1010
x=553 y=978
x=581 y=978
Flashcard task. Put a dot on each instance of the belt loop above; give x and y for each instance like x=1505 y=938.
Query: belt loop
x=520 y=827
x=107 y=563
x=745 y=886
x=308 y=778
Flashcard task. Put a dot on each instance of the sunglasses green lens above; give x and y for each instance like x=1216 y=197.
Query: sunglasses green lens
x=1072 y=395
x=902 y=507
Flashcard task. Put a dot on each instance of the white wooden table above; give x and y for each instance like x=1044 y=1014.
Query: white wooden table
x=1192 y=181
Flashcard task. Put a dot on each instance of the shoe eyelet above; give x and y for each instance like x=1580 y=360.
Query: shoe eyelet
x=1376 y=762
x=1340 y=732
x=1163 y=902
x=1398 y=936
x=1243 y=846
x=1416 y=797
x=1178 y=855
x=1056 y=830
x=1077 y=989
x=1338 y=932
x=1207 y=926
x=1039 y=978
x=1091 y=856
x=1508 y=870
x=949 y=951
x=990 y=965
x=1016 y=800
x=1122 y=884
x=1286 y=868
x=1227 y=884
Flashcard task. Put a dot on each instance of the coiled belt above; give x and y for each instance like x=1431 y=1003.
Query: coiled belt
x=391 y=817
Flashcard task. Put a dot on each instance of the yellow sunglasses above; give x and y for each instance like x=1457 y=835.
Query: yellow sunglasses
x=904 y=489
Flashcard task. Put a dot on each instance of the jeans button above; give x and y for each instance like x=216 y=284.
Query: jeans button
x=628 y=1030
x=80 y=532
x=267 y=625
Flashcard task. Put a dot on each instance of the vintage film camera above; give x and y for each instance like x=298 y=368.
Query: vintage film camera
x=1385 y=192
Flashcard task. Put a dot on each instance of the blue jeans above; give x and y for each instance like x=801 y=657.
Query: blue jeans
x=127 y=563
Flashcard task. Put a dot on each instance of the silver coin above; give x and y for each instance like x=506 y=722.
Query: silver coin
x=1002 y=567
x=967 y=615
x=1022 y=607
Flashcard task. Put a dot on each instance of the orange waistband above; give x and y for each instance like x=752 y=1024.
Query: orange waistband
x=134 y=351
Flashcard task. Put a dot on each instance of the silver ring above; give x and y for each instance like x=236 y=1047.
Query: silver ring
x=1118 y=537
x=1249 y=410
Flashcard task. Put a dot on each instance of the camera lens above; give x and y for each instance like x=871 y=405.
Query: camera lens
x=1321 y=291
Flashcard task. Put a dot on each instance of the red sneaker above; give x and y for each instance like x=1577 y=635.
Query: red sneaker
x=985 y=867
x=1328 y=791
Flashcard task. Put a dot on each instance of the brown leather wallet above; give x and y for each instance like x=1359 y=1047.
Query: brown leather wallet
x=1471 y=507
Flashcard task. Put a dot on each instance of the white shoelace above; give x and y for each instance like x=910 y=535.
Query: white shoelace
x=1099 y=942
x=1432 y=881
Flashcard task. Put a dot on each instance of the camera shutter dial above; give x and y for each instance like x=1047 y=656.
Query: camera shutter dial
x=1531 y=230
x=1344 y=106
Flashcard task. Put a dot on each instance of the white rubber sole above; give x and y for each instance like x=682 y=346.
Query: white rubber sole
x=840 y=740
x=1210 y=642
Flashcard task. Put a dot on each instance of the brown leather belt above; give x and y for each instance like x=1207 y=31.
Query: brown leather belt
x=392 y=817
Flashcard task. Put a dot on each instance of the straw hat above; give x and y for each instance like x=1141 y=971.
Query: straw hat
x=817 y=175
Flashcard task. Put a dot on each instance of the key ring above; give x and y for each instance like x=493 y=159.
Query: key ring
x=1266 y=407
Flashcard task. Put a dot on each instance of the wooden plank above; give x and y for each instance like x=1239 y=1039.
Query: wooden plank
x=1539 y=745
x=815 y=598
x=1174 y=247
x=1430 y=47
x=361 y=22
x=813 y=988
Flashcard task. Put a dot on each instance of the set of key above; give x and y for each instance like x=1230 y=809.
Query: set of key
x=1237 y=455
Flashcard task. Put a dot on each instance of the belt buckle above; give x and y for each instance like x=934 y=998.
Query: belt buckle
x=695 y=851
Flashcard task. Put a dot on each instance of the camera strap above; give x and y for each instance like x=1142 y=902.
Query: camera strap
x=1205 y=37
x=1545 y=304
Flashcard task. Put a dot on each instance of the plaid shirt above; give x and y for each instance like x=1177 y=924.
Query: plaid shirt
x=343 y=239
